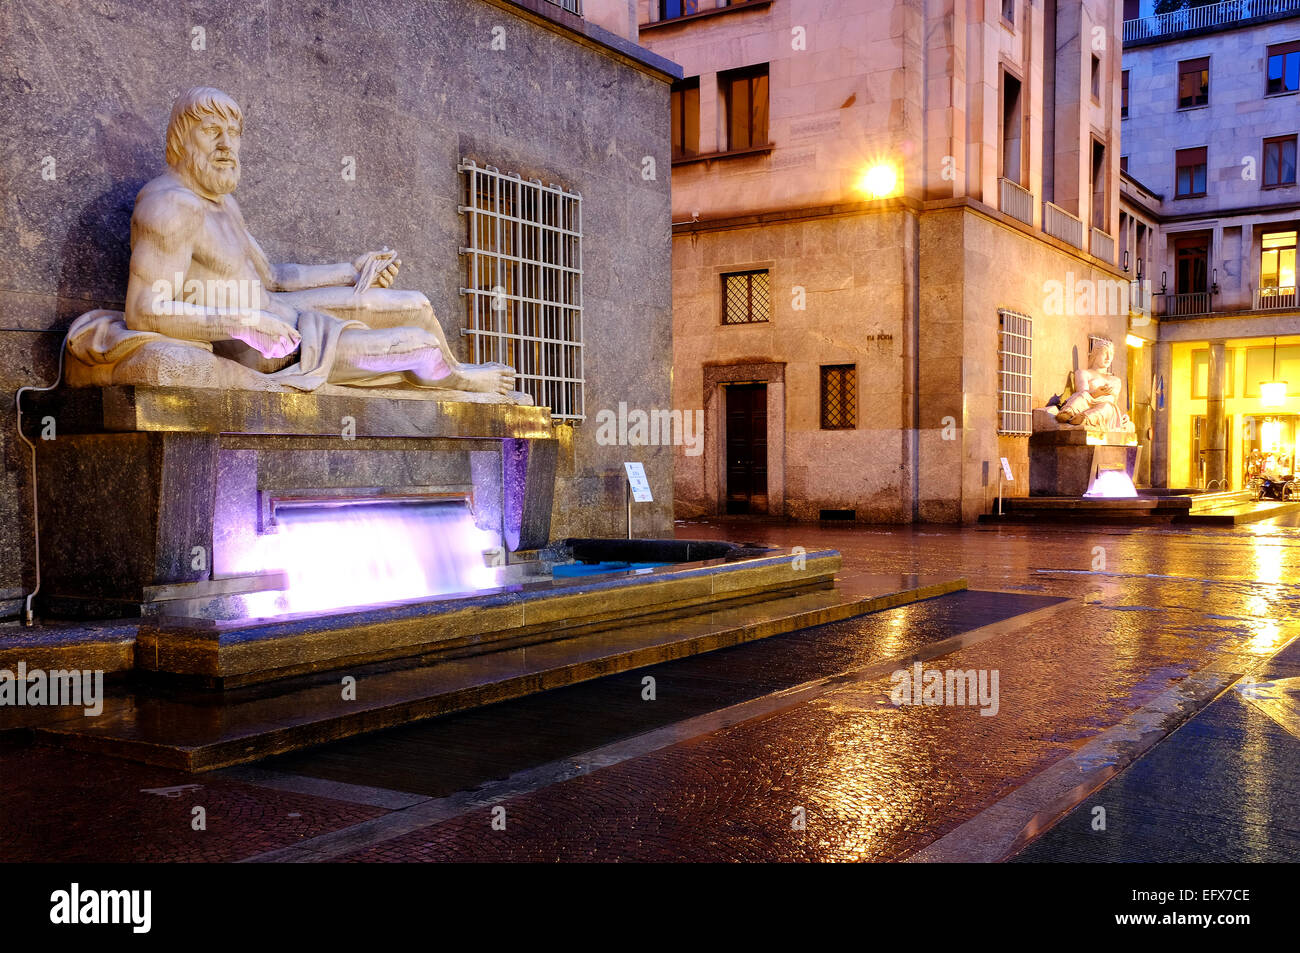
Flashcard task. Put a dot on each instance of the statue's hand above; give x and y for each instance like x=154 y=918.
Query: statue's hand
x=266 y=334
x=381 y=266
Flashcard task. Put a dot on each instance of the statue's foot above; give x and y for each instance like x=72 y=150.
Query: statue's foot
x=484 y=378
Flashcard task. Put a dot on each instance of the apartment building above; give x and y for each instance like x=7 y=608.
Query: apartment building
x=881 y=209
x=1210 y=211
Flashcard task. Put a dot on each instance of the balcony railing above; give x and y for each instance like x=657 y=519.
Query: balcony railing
x=1185 y=305
x=1275 y=299
x=1103 y=246
x=1015 y=201
x=1205 y=18
x=1059 y=223
x=573 y=6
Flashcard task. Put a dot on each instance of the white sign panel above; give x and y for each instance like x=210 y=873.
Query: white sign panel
x=1006 y=469
x=640 y=485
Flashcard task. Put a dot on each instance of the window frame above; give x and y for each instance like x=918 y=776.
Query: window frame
x=1015 y=406
x=1283 y=50
x=727 y=81
x=749 y=274
x=848 y=397
x=680 y=93
x=1123 y=95
x=1203 y=164
x=1197 y=64
x=1281 y=142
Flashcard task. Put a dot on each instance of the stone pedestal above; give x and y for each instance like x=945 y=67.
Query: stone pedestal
x=1063 y=458
x=154 y=495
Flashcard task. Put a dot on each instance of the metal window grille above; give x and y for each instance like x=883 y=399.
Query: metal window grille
x=523 y=266
x=573 y=6
x=746 y=297
x=1015 y=372
x=839 y=396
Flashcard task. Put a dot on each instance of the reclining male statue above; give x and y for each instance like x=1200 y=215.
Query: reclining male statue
x=205 y=307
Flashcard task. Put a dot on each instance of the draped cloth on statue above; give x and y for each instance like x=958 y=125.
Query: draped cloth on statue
x=111 y=353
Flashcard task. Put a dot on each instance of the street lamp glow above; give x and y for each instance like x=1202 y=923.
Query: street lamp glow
x=1272 y=394
x=880 y=181
x=1133 y=340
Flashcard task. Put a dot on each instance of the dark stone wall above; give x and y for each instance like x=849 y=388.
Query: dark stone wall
x=406 y=88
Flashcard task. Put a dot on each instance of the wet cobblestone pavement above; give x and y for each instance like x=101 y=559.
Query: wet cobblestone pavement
x=740 y=746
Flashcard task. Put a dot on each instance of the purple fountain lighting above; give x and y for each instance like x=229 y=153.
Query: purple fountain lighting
x=1111 y=485
x=359 y=555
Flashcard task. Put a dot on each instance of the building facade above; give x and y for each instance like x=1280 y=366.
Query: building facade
x=882 y=212
x=372 y=123
x=1210 y=216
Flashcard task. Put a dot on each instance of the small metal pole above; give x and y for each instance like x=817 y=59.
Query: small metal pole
x=999 y=488
x=627 y=488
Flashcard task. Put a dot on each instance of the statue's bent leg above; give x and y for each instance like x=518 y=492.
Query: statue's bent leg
x=375 y=308
x=418 y=355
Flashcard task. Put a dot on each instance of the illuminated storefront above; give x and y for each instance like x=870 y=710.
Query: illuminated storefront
x=1262 y=423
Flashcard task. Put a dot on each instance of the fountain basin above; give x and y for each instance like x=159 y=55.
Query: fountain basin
x=536 y=608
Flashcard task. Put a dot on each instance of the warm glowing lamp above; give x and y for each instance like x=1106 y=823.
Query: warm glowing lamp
x=1273 y=393
x=1133 y=340
x=880 y=181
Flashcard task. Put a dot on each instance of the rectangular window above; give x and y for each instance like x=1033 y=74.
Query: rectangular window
x=1012 y=125
x=1099 y=217
x=1283 y=68
x=1277 y=263
x=1015 y=372
x=1201 y=373
x=1279 y=161
x=1123 y=163
x=1189 y=172
x=1191 y=264
x=1260 y=367
x=839 y=396
x=523 y=292
x=1009 y=11
x=672 y=9
x=1123 y=95
x=1096 y=79
x=686 y=117
x=1194 y=82
x=744 y=94
x=746 y=298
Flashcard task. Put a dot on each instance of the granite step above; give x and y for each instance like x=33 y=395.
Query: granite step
x=200 y=731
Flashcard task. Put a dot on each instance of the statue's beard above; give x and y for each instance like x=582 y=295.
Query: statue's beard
x=216 y=179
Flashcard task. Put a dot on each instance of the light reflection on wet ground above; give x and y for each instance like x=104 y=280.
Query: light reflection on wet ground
x=879 y=782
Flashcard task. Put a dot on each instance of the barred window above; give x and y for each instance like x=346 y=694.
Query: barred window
x=1015 y=372
x=523 y=266
x=839 y=396
x=746 y=297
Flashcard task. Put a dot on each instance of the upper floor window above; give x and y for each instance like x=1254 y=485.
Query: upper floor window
x=1189 y=172
x=745 y=98
x=1123 y=95
x=672 y=9
x=1277 y=262
x=1279 y=161
x=1096 y=79
x=1009 y=11
x=1194 y=82
x=746 y=297
x=1284 y=68
x=686 y=117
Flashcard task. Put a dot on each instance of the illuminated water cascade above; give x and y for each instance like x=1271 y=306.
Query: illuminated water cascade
x=363 y=554
x=1111 y=485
